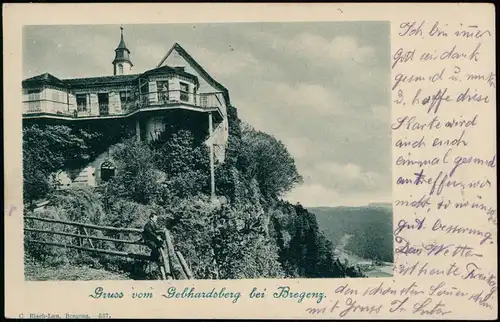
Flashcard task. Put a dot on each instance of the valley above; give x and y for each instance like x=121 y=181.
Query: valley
x=362 y=236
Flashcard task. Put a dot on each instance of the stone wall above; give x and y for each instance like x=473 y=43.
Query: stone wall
x=88 y=176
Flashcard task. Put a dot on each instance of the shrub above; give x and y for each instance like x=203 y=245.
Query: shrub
x=137 y=179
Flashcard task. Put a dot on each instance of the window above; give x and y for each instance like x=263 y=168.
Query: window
x=33 y=94
x=144 y=88
x=125 y=97
x=81 y=102
x=184 y=87
x=120 y=69
x=184 y=92
x=33 y=91
x=162 y=87
x=143 y=92
x=103 y=100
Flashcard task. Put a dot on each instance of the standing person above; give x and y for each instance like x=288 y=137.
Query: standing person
x=152 y=237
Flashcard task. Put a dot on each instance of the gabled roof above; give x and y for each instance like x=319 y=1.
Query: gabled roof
x=43 y=79
x=168 y=69
x=206 y=76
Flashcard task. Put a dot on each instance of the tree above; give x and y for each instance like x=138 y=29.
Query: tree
x=242 y=247
x=47 y=149
x=184 y=157
x=137 y=178
x=303 y=249
x=268 y=161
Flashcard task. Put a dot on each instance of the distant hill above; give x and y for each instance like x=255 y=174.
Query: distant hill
x=370 y=228
x=381 y=204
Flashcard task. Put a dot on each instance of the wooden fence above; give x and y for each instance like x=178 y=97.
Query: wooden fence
x=172 y=264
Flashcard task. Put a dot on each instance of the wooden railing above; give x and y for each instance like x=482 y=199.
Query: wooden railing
x=172 y=264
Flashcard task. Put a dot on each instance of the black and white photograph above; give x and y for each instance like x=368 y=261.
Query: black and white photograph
x=216 y=151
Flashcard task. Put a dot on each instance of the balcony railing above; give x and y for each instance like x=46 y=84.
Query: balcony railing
x=204 y=100
x=147 y=100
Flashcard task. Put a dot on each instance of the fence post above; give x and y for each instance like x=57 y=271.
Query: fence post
x=166 y=261
x=79 y=240
x=185 y=266
x=163 y=274
x=174 y=261
x=88 y=239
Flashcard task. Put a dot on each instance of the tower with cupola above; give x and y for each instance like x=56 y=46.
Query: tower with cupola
x=122 y=65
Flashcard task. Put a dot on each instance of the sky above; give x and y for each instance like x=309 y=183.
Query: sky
x=322 y=88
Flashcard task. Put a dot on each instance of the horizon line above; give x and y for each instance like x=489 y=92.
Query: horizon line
x=346 y=205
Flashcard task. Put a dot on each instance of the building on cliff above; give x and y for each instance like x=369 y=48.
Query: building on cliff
x=178 y=87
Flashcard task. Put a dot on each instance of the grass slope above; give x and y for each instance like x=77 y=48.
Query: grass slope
x=36 y=272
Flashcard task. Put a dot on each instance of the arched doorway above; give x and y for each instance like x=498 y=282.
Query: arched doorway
x=107 y=170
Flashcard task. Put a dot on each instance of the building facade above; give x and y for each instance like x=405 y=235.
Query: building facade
x=177 y=85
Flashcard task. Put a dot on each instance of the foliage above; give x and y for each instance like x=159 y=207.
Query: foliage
x=46 y=150
x=242 y=246
x=248 y=232
x=80 y=204
x=221 y=240
x=191 y=223
x=183 y=156
x=304 y=251
x=137 y=178
x=268 y=161
x=50 y=148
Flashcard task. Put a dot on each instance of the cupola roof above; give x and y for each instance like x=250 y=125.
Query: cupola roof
x=122 y=53
x=122 y=45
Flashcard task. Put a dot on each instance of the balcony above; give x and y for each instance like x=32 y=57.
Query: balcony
x=157 y=100
x=45 y=106
x=206 y=101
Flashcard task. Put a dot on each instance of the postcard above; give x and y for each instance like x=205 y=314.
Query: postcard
x=291 y=161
